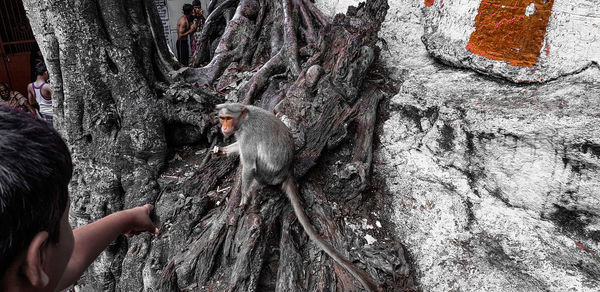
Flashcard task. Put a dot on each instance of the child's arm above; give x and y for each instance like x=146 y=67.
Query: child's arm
x=92 y=239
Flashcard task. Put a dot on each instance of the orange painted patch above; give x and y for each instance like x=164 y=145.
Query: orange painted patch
x=506 y=30
x=429 y=3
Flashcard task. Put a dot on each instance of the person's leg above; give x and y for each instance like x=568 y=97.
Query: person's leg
x=178 y=48
x=185 y=53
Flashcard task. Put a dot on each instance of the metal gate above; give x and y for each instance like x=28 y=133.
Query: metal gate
x=16 y=44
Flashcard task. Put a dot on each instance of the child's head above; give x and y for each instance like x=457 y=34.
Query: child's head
x=41 y=70
x=36 y=240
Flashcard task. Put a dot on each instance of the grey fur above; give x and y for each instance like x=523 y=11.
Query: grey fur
x=266 y=150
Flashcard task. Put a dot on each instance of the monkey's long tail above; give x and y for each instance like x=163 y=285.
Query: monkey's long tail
x=290 y=189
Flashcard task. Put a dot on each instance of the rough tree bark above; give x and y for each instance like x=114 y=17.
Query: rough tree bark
x=139 y=133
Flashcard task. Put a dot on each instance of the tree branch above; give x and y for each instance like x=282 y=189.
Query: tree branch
x=160 y=43
x=203 y=43
x=310 y=30
x=261 y=78
x=289 y=39
x=317 y=13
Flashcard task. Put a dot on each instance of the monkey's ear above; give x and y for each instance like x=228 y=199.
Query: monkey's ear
x=244 y=111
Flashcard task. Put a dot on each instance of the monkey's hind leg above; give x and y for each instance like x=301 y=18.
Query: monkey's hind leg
x=246 y=199
x=249 y=184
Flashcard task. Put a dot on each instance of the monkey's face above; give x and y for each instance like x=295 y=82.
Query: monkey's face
x=231 y=116
x=229 y=124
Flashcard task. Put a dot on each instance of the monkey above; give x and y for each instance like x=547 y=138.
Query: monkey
x=266 y=149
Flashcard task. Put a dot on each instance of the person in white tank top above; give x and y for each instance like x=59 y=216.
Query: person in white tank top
x=39 y=93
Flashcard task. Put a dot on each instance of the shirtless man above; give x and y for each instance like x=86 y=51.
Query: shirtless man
x=183 y=30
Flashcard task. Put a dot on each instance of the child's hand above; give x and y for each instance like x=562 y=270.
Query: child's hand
x=139 y=221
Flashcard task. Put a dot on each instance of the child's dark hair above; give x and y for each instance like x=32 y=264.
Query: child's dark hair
x=40 y=68
x=35 y=170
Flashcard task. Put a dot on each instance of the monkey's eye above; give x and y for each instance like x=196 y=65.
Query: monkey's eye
x=225 y=118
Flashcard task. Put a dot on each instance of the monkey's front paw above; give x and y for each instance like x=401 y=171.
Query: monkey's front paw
x=218 y=151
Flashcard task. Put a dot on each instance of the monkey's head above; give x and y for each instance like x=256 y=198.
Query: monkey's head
x=230 y=115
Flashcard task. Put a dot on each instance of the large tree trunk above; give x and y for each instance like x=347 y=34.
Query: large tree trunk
x=140 y=133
